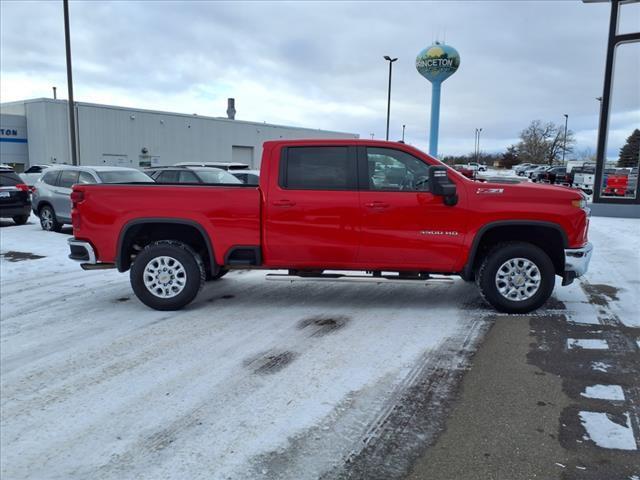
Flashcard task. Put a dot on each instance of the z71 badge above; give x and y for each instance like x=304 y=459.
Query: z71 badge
x=490 y=191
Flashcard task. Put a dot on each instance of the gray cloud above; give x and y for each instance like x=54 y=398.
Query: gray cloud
x=320 y=64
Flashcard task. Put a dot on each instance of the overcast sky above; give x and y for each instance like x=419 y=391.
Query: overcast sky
x=320 y=65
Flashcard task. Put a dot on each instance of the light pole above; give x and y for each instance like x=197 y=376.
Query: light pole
x=371 y=136
x=390 y=60
x=564 y=146
x=71 y=104
x=403 y=127
x=477 y=144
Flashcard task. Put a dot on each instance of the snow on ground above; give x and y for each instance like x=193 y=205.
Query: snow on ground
x=251 y=378
x=606 y=433
x=604 y=392
x=616 y=262
x=587 y=343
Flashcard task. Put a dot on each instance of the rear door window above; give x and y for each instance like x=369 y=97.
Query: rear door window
x=9 y=179
x=318 y=168
x=168 y=176
x=50 y=177
x=85 y=178
x=68 y=178
x=187 y=177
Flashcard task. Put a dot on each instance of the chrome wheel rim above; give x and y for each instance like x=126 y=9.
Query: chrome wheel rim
x=46 y=219
x=518 y=279
x=165 y=277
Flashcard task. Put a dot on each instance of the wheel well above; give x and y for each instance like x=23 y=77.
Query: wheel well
x=41 y=204
x=135 y=237
x=549 y=239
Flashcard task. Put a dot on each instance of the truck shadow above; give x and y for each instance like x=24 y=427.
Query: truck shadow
x=252 y=291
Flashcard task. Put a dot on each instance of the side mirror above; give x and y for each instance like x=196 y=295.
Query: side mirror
x=440 y=185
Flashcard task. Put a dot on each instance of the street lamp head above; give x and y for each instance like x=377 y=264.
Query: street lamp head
x=388 y=58
x=566 y=115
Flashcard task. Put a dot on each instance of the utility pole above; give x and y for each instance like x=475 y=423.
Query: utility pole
x=55 y=95
x=564 y=146
x=476 y=145
x=390 y=60
x=71 y=104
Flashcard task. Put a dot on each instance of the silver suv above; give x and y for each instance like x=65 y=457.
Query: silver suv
x=51 y=198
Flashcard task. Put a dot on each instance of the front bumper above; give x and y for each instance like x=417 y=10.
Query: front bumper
x=576 y=262
x=82 y=251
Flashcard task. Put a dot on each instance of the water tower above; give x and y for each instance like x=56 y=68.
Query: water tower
x=436 y=63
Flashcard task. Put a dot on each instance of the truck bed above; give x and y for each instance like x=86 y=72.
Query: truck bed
x=233 y=209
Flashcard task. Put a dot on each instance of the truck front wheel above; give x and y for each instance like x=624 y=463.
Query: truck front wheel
x=167 y=275
x=516 y=277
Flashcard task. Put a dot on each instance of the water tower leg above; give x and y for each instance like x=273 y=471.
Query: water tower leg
x=435 y=119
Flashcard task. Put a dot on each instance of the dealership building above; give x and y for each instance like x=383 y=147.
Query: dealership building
x=36 y=132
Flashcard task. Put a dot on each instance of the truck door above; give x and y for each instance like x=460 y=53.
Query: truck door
x=312 y=216
x=403 y=224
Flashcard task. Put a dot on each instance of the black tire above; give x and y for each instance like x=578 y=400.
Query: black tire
x=193 y=269
x=221 y=273
x=21 y=219
x=48 y=220
x=497 y=256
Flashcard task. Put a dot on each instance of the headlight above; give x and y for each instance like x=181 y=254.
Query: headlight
x=582 y=203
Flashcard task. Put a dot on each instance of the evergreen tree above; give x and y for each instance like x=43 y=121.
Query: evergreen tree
x=630 y=152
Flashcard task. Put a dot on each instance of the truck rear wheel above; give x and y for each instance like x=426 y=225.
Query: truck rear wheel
x=167 y=275
x=516 y=277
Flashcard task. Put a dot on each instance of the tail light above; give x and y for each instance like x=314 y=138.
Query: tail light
x=23 y=187
x=77 y=196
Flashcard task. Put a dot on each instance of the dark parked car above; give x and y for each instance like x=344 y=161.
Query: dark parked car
x=190 y=175
x=555 y=175
x=15 y=197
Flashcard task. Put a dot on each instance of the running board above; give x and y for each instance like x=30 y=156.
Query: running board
x=97 y=266
x=281 y=277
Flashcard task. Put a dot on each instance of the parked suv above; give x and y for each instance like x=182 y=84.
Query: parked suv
x=33 y=173
x=51 y=195
x=15 y=201
x=190 y=175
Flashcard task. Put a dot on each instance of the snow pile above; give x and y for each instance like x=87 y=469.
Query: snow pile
x=604 y=392
x=606 y=433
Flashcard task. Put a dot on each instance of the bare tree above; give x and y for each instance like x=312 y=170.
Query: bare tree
x=543 y=143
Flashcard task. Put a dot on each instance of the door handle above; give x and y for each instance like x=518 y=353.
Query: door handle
x=377 y=205
x=283 y=203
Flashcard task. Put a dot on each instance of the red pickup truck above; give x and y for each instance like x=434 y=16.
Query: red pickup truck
x=384 y=208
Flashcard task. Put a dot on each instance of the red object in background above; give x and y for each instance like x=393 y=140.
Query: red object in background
x=467 y=172
x=24 y=187
x=616 y=185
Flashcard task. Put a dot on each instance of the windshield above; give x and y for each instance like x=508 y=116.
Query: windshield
x=215 y=175
x=124 y=176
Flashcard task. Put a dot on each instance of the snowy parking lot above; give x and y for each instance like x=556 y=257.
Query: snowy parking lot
x=260 y=379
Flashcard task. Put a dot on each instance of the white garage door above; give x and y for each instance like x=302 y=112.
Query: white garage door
x=242 y=155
